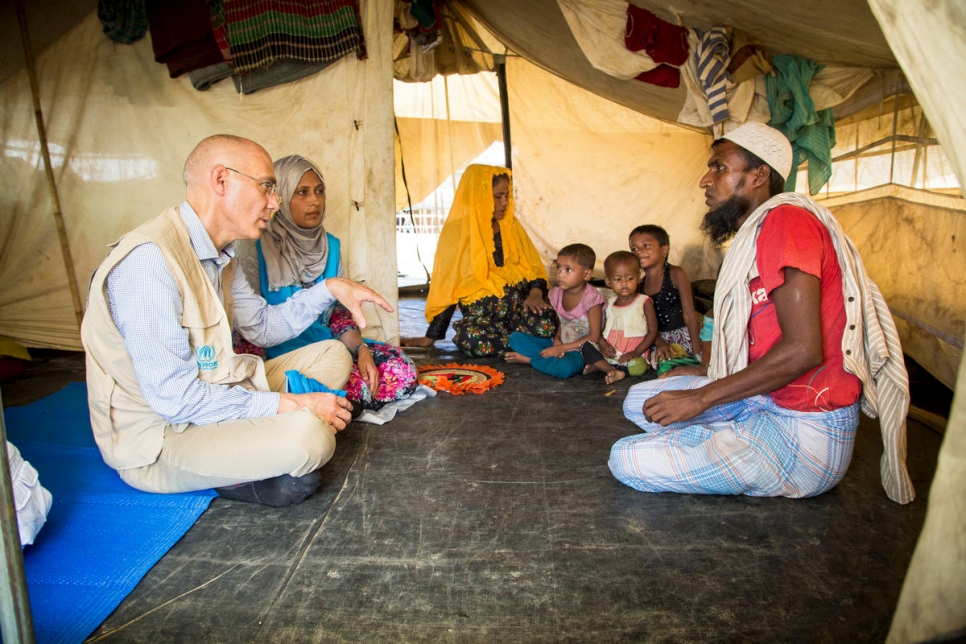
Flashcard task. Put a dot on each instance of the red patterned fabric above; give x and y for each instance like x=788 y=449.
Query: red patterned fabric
x=662 y=41
x=662 y=76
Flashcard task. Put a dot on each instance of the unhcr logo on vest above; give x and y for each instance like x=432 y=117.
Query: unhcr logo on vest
x=205 y=355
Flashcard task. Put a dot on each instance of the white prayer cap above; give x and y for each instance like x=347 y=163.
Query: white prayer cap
x=765 y=142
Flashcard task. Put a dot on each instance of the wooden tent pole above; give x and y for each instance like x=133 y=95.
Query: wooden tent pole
x=16 y=624
x=42 y=132
x=504 y=109
x=895 y=132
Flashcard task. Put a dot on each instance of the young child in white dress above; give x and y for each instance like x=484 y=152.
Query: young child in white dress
x=630 y=323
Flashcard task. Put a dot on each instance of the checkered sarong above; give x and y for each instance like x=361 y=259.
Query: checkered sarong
x=750 y=446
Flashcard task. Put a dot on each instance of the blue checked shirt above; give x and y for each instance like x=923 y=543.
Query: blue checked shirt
x=146 y=306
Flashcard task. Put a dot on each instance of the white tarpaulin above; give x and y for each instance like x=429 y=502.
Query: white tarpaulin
x=119 y=131
x=583 y=165
x=589 y=170
x=443 y=125
x=929 y=40
x=924 y=295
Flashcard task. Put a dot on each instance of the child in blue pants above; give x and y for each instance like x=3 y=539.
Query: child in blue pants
x=580 y=309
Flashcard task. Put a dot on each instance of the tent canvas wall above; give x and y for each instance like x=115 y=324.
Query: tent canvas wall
x=580 y=157
x=594 y=149
x=119 y=130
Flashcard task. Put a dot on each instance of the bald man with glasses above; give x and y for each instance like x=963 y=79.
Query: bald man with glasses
x=173 y=408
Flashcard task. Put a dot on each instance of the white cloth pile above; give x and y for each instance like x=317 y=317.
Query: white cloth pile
x=30 y=498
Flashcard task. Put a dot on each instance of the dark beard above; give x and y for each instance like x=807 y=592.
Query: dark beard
x=721 y=223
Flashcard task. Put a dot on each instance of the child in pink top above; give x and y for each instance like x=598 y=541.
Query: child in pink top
x=580 y=309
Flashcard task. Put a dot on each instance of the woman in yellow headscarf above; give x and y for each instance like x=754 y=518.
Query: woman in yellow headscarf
x=486 y=264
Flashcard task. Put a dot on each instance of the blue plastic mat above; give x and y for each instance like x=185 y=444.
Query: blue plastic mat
x=101 y=536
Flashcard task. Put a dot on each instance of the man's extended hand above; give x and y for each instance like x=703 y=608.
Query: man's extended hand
x=334 y=410
x=352 y=294
x=673 y=406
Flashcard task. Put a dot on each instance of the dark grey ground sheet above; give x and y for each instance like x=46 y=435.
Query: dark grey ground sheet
x=494 y=518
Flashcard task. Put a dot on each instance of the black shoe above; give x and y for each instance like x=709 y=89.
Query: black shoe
x=356 y=410
x=278 y=492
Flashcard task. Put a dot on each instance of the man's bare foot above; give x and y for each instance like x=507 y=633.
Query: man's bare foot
x=421 y=341
x=589 y=369
x=516 y=358
x=614 y=375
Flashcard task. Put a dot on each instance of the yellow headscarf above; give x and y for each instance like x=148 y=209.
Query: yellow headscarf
x=464 y=270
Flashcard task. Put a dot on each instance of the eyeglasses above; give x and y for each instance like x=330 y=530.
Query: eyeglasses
x=270 y=187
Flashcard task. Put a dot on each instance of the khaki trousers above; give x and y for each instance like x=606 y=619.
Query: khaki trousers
x=251 y=449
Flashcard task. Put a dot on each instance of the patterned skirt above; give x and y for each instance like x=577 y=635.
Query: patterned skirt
x=488 y=322
x=397 y=377
x=397 y=373
x=681 y=337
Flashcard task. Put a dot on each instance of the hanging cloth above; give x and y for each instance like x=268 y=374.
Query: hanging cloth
x=124 y=21
x=662 y=76
x=811 y=133
x=262 y=31
x=711 y=60
x=661 y=40
x=181 y=35
x=748 y=58
x=599 y=26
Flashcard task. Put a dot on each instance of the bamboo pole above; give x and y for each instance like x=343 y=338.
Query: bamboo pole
x=16 y=624
x=42 y=133
x=504 y=109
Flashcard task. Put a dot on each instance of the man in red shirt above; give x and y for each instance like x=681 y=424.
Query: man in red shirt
x=778 y=415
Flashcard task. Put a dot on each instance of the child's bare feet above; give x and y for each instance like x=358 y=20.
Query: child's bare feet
x=589 y=369
x=614 y=375
x=423 y=342
x=516 y=358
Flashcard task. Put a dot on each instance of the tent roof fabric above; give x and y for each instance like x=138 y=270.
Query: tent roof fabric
x=829 y=31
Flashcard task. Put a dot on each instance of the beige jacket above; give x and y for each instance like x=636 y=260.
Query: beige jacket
x=128 y=432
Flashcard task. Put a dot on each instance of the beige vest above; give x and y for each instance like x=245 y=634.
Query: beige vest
x=128 y=432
